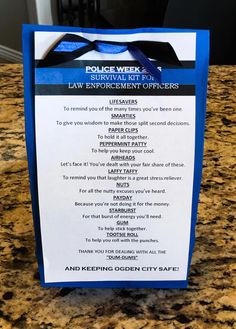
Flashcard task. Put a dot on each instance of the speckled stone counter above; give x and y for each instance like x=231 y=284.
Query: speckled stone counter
x=210 y=300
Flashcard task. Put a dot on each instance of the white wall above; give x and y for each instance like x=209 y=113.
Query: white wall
x=14 y=13
x=44 y=11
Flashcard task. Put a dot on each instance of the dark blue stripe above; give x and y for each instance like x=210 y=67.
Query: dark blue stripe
x=66 y=75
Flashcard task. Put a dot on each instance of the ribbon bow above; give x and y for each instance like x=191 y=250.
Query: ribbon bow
x=72 y=46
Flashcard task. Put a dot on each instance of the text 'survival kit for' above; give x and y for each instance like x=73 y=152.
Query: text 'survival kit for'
x=114 y=132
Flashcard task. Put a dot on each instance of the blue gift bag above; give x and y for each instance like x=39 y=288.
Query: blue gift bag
x=114 y=133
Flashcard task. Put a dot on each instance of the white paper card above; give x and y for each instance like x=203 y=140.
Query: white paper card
x=115 y=180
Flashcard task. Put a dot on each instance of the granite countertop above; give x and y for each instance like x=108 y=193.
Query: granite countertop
x=209 y=301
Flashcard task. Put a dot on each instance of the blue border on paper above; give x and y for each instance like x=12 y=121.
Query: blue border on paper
x=199 y=74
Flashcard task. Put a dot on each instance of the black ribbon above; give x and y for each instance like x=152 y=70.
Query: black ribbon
x=72 y=46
